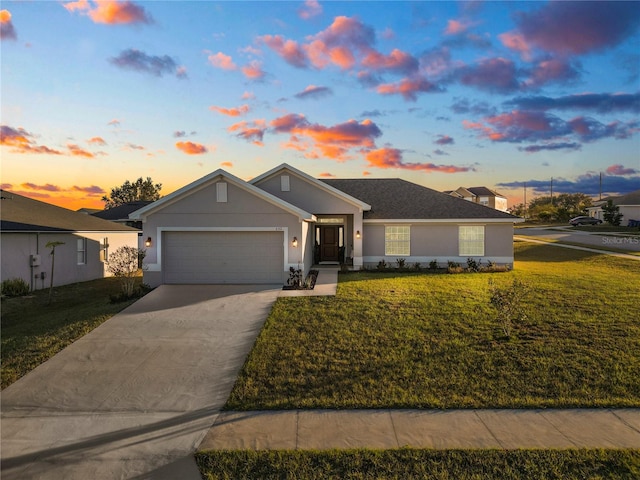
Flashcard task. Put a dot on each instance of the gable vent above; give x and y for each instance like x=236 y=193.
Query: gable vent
x=284 y=183
x=221 y=192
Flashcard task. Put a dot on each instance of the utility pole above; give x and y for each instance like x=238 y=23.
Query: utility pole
x=551 y=190
x=525 y=200
x=600 y=186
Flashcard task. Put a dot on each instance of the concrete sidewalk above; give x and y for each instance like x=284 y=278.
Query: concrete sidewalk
x=326 y=284
x=440 y=429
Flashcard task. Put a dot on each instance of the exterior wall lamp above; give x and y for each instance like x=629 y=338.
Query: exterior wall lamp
x=358 y=234
x=148 y=242
x=294 y=242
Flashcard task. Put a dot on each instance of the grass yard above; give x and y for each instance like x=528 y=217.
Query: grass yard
x=33 y=330
x=422 y=464
x=420 y=340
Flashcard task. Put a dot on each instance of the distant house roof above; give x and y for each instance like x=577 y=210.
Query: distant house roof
x=121 y=212
x=484 y=192
x=23 y=214
x=393 y=198
x=631 y=198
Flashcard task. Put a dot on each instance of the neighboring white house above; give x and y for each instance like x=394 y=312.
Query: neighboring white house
x=221 y=229
x=27 y=226
x=482 y=195
x=628 y=204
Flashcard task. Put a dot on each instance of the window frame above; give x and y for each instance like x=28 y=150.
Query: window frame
x=81 y=251
x=391 y=244
x=471 y=240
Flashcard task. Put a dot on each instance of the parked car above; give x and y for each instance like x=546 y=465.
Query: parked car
x=584 y=220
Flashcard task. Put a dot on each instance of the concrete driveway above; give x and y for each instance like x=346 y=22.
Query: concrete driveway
x=135 y=397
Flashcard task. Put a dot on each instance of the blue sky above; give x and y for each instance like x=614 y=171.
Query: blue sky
x=444 y=94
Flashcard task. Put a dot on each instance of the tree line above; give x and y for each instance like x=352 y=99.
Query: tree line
x=563 y=207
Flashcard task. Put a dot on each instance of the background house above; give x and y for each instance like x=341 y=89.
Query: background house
x=628 y=204
x=482 y=195
x=120 y=214
x=221 y=229
x=27 y=226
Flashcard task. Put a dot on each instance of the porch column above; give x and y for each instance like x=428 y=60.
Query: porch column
x=357 y=242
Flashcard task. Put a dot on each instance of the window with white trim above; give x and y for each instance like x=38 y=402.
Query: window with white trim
x=82 y=251
x=397 y=240
x=471 y=240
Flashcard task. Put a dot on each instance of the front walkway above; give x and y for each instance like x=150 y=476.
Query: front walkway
x=440 y=429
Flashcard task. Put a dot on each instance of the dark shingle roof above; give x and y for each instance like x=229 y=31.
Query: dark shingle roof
x=393 y=198
x=631 y=198
x=484 y=192
x=23 y=214
x=121 y=212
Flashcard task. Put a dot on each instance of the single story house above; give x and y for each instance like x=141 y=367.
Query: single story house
x=482 y=195
x=221 y=229
x=27 y=226
x=628 y=204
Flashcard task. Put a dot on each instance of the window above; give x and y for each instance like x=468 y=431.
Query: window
x=471 y=240
x=221 y=192
x=284 y=183
x=82 y=251
x=397 y=240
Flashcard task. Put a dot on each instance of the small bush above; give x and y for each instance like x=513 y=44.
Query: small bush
x=433 y=265
x=382 y=265
x=417 y=266
x=123 y=264
x=15 y=287
x=474 y=265
x=401 y=262
x=453 y=267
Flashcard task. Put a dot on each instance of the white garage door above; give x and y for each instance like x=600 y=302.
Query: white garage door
x=223 y=257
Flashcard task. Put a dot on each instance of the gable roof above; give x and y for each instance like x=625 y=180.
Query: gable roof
x=393 y=198
x=631 y=198
x=23 y=214
x=210 y=179
x=314 y=181
x=121 y=212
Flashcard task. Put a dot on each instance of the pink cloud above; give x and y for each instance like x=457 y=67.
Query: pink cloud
x=251 y=131
x=621 y=170
x=457 y=27
x=22 y=142
x=253 y=70
x=289 y=50
x=408 y=88
x=231 y=112
x=310 y=9
x=551 y=70
x=444 y=140
x=327 y=175
x=47 y=188
x=97 y=141
x=110 y=12
x=7 y=30
x=579 y=27
x=397 y=61
x=220 y=60
x=76 y=151
x=515 y=41
x=93 y=190
x=191 y=148
x=226 y=164
x=392 y=158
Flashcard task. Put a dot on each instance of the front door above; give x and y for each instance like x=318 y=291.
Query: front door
x=329 y=248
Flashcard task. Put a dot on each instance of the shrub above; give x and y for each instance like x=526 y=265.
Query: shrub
x=453 y=267
x=417 y=266
x=382 y=265
x=15 y=287
x=401 y=262
x=433 y=265
x=474 y=265
x=295 y=277
x=123 y=264
x=507 y=301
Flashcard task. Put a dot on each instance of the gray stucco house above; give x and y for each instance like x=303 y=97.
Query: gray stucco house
x=27 y=225
x=221 y=229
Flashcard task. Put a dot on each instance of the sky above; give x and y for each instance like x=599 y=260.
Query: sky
x=443 y=94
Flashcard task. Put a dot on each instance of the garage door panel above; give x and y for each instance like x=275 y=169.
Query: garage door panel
x=223 y=257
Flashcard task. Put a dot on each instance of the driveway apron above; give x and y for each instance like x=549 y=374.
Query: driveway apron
x=135 y=397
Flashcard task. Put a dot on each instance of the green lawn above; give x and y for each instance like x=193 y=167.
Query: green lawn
x=34 y=330
x=407 y=463
x=420 y=340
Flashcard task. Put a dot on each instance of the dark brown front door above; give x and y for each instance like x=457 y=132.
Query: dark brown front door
x=329 y=244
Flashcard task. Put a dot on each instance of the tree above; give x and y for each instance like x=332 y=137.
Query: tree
x=131 y=192
x=611 y=213
x=123 y=264
x=509 y=304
